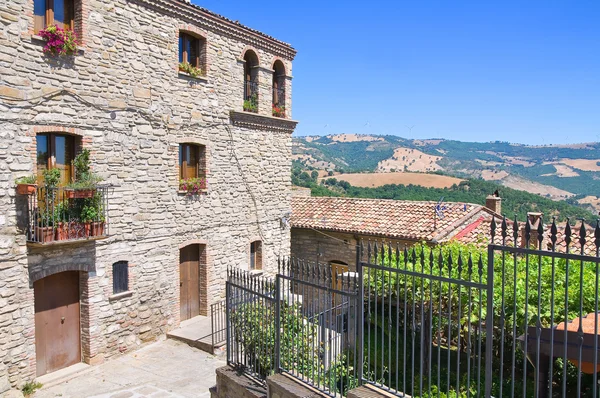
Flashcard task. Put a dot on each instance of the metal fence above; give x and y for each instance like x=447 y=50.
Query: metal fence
x=518 y=318
x=218 y=323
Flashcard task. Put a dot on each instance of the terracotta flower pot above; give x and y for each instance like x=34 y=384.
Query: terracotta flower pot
x=79 y=193
x=98 y=228
x=44 y=234
x=26 y=189
x=76 y=230
x=62 y=231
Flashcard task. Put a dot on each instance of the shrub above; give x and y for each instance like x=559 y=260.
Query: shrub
x=26 y=180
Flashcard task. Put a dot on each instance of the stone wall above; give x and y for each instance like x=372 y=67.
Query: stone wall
x=124 y=97
x=329 y=246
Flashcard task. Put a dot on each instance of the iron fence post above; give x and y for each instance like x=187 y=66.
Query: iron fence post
x=489 y=325
x=360 y=310
x=277 y=323
x=227 y=311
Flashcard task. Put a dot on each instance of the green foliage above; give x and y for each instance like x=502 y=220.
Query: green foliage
x=26 y=180
x=51 y=177
x=84 y=178
x=300 y=352
x=30 y=387
x=251 y=104
x=527 y=290
x=191 y=70
x=87 y=209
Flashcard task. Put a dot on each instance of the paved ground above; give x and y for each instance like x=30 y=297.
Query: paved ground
x=165 y=369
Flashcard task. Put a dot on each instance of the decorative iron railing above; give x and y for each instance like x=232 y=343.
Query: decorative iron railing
x=251 y=96
x=278 y=102
x=518 y=318
x=218 y=323
x=60 y=214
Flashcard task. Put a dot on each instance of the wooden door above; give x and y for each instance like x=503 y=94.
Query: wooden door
x=189 y=292
x=57 y=324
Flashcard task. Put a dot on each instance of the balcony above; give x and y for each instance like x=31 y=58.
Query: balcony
x=278 y=102
x=61 y=215
x=251 y=96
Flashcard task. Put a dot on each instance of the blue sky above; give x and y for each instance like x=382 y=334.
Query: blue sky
x=519 y=71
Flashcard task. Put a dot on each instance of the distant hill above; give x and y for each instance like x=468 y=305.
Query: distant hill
x=558 y=172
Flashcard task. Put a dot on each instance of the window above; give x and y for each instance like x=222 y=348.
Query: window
x=192 y=160
x=250 y=81
x=192 y=52
x=54 y=12
x=256 y=255
x=55 y=151
x=278 y=89
x=120 y=277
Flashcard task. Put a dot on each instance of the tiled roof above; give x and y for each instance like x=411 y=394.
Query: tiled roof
x=398 y=219
x=225 y=19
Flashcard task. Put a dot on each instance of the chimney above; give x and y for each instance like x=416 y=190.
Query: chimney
x=494 y=203
x=534 y=219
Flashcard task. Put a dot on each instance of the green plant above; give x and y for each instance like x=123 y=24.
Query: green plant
x=26 y=180
x=30 y=387
x=192 y=185
x=51 y=178
x=82 y=164
x=191 y=70
x=87 y=209
x=251 y=104
x=59 y=41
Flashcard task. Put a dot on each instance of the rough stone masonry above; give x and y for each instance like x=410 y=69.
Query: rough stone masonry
x=125 y=100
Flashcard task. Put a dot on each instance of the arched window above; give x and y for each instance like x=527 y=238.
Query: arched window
x=250 y=81
x=278 y=89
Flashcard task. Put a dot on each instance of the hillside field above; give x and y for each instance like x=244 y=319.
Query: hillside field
x=371 y=180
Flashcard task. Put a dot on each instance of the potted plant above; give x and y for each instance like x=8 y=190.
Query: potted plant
x=59 y=41
x=278 y=111
x=193 y=186
x=44 y=230
x=190 y=70
x=85 y=182
x=61 y=218
x=26 y=185
x=251 y=104
x=92 y=216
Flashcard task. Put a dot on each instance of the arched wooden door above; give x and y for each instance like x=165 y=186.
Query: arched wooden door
x=57 y=322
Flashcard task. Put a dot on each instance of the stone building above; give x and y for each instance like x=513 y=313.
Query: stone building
x=328 y=230
x=158 y=91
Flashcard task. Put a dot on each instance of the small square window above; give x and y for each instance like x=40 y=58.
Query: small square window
x=120 y=277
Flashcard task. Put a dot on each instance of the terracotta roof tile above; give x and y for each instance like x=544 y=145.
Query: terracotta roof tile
x=399 y=219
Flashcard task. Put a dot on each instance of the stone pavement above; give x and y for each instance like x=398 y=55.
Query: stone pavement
x=166 y=369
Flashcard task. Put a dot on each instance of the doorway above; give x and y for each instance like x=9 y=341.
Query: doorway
x=193 y=280
x=57 y=322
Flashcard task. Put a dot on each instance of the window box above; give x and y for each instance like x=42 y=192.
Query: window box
x=79 y=193
x=26 y=189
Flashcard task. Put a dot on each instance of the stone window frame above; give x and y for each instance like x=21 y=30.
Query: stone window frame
x=251 y=75
x=81 y=140
x=201 y=36
x=130 y=279
x=175 y=148
x=255 y=261
x=279 y=82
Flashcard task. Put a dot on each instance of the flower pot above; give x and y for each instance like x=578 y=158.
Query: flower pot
x=62 y=231
x=76 y=230
x=44 y=234
x=98 y=228
x=79 y=193
x=26 y=189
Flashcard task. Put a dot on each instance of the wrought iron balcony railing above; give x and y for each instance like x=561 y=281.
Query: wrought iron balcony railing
x=58 y=215
x=278 y=102
x=251 y=96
